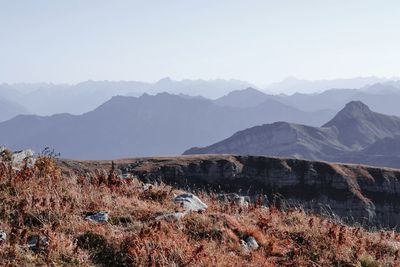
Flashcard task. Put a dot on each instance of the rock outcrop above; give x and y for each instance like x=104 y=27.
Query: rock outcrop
x=354 y=192
x=190 y=202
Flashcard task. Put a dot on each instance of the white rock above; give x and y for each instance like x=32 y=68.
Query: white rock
x=101 y=216
x=19 y=156
x=3 y=236
x=251 y=243
x=190 y=202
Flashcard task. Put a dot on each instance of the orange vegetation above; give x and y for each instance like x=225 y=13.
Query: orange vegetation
x=40 y=201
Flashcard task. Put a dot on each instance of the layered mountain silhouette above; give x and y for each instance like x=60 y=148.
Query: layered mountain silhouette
x=163 y=124
x=294 y=85
x=9 y=109
x=48 y=99
x=356 y=134
x=382 y=98
x=243 y=98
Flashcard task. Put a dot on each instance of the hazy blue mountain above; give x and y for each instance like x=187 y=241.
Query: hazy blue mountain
x=10 y=109
x=293 y=85
x=164 y=124
x=206 y=88
x=379 y=97
x=330 y=99
x=248 y=97
x=356 y=134
x=48 y=99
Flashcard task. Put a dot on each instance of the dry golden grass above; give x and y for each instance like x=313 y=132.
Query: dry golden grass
x=39 y=201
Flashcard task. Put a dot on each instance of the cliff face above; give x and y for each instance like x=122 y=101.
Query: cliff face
x=354 y=192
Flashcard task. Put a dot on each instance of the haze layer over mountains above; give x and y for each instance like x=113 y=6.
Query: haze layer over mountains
x=49 y=99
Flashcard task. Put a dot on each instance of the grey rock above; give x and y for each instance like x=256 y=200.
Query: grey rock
x=249 y=244
x=3 y=236
x=18 y=157
x=252 y=243
x=100 y=217
x=190 y=202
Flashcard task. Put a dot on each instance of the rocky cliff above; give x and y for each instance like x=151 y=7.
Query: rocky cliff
x=354 y=192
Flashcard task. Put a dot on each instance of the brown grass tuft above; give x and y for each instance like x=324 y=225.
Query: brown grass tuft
x=39 y=201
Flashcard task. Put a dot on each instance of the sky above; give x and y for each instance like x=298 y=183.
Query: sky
x=68 y=41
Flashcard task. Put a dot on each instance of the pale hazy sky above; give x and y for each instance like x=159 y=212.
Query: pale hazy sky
x=259 y=41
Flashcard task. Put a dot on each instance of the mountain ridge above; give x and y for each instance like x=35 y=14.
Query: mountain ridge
x=347 y=135
x=123 y=126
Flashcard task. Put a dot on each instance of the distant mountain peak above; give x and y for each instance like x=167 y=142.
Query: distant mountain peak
x=356 y=106
x=243 y=98
x=165 y=80
x=251 y=89
x=352 y=110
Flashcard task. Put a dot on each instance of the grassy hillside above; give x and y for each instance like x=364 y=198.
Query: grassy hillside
x=40 y=202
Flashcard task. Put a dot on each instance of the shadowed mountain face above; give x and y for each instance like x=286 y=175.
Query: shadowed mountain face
x=356 y=134
x=148 y=125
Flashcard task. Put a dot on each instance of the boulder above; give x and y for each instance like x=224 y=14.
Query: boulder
x=249 y=244
x=100 y=217
x=252 y=243
x=18 y=157
x=190 y=202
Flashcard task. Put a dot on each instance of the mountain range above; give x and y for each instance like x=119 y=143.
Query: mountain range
x=9 y=109
x=356 y=135
x=167 y=124
x=291 y=85
x=382 y=97
x=48 y=99
x=163 y=124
